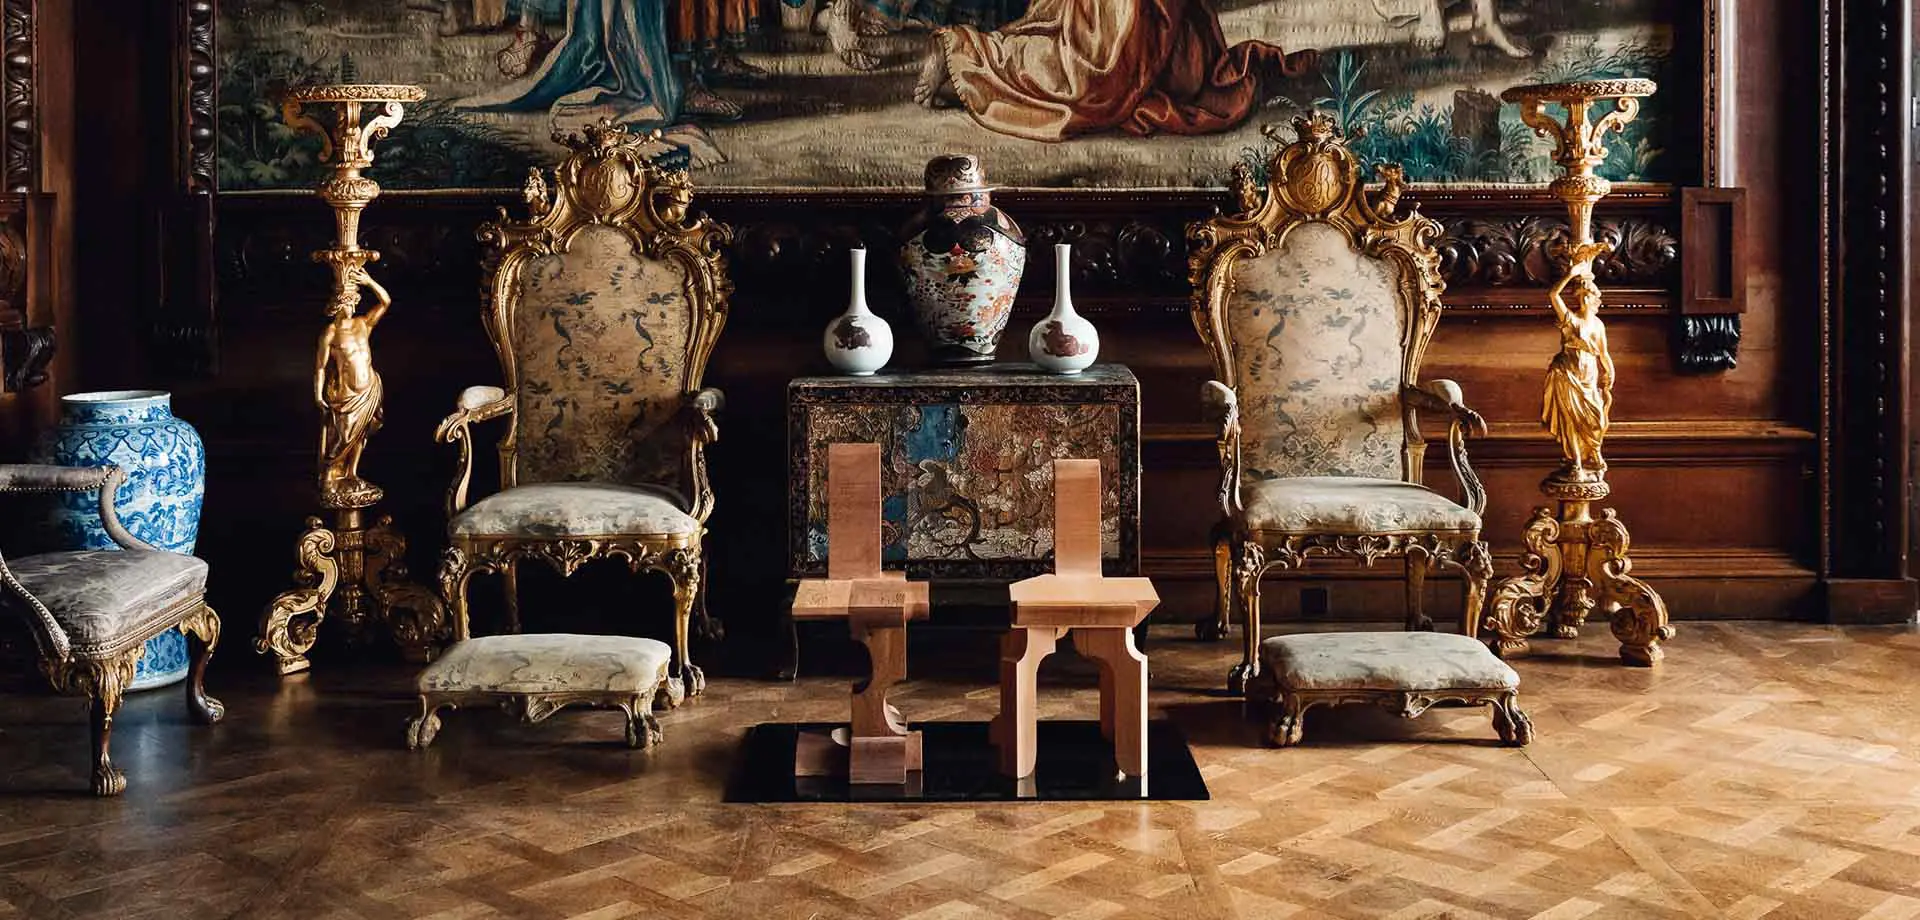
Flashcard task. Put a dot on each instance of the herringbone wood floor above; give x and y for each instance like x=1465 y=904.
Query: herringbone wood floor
x=1767 y=770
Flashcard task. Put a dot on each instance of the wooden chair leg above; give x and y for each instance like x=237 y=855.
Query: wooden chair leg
x=1477 y=564
x=1419 y=563
x=1012 y=731
x=202 y=629
x=1123 y=697
x=1223 y=589
x=510 y=584
x=1248 y=567
x=102 y=682
x=455 y=572
x=686 y=586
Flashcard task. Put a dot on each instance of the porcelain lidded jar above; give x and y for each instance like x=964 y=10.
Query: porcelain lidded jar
x=166 y=468
x=857 y=342
x=1063 y=342
x=961 y=262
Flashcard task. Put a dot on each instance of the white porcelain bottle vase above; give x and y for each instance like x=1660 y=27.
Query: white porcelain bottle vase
x=858 y=342
x=1063 y=342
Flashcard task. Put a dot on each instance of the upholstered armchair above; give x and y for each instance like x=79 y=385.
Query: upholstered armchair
x=92 y=611
x=1316 y=301
x=603 y=309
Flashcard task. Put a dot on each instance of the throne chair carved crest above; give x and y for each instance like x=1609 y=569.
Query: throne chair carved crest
x=603 y=307
x=1316 y=301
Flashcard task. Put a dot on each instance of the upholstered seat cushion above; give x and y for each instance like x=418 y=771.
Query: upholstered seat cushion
x=549 y=663
x=1350 y=504
x=575 y=509
x=1411 y=661
x=109 y=600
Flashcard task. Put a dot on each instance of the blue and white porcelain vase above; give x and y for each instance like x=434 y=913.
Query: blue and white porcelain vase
x=166 y=468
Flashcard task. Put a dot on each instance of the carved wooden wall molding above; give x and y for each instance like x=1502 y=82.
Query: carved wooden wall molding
x=25 y=349
x=198 y=87
x=1129 y=258
x=19 y=117
x=1866 y=473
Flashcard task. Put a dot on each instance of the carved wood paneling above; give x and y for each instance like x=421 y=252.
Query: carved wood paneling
x=1864 y=253
x=19 y=120
x=198 y=117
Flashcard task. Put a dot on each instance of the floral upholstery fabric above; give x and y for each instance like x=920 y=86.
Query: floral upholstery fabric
x=108 y=600
x=600 y=347
x=549 y=663
x=1315 y=328
x=1344 y=504
x=575 y=509
x=1413 y=661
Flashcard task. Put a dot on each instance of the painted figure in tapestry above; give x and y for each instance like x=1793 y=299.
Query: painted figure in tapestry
x=857 y=93
x=345 y=385
x=1579 y=395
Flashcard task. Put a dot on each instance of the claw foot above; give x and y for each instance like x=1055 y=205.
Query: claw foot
x=643 y=731
x=673 y=692
x=422 y=730
x=1284 y=730
x=108 y=782
x=207 y=710
x=1238 y=677
x=696 y=680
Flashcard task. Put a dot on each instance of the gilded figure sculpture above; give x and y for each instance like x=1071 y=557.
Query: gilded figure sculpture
x=347 y=388
x=1575 y=562
x=1579 y=395
x=353 y=570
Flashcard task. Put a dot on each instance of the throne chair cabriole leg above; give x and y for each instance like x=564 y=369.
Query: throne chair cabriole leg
x=1510 y=723
x=682 y=567
x=510 y=584
x=1248 y=570
x=1419 y=563
x=1475 y=563
x=425 y=726
x=1220 y=624
x=202 y=629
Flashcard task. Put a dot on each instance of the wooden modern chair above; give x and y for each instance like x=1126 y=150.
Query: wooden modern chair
x=92 y=611
x=603 y=308
x=1316 y=301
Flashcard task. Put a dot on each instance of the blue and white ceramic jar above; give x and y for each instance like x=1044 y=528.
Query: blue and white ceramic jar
x=166 y=469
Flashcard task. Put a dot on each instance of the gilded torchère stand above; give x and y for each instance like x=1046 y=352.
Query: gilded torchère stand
x=1574 y=561
x=357 y=565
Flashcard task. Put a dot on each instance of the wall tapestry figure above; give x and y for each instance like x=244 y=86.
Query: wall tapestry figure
x=1050 y=93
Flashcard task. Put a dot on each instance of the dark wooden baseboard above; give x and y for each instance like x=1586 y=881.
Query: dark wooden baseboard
x=1870 y=601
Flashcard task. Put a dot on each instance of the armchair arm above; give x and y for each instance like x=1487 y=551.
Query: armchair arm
x=1445 y=396
x=476 y=404
x=36 y=478
x=106 y=480
x=702 y=429
x=1220 y=405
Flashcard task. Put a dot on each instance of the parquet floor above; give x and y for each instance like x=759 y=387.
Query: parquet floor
x=1768 y=770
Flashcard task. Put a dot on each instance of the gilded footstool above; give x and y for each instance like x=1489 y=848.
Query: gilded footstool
x=1402 y=671
x=536 y=675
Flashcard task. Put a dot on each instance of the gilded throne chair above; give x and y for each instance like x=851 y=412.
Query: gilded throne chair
x=603 y=308
x=92 y=611
x=1316 y=301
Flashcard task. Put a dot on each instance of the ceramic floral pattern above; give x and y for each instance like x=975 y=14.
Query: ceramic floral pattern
x=961 y=277
x=600 y=348
x=1315 y=327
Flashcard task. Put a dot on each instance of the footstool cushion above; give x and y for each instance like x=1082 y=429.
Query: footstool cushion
x=1384 y=661
x=1403 y=671
x=536 y=675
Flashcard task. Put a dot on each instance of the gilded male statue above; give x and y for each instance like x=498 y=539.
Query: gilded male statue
x=1579 y=395
x=346 y=386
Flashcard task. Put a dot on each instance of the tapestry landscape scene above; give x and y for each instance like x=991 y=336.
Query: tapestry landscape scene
x=859 y=93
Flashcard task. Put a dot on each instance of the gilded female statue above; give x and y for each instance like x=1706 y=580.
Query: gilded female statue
x=345 y=385
x=1580 y=379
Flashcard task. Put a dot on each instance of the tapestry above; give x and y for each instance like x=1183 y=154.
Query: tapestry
x=859 y=93
x=966 y=482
